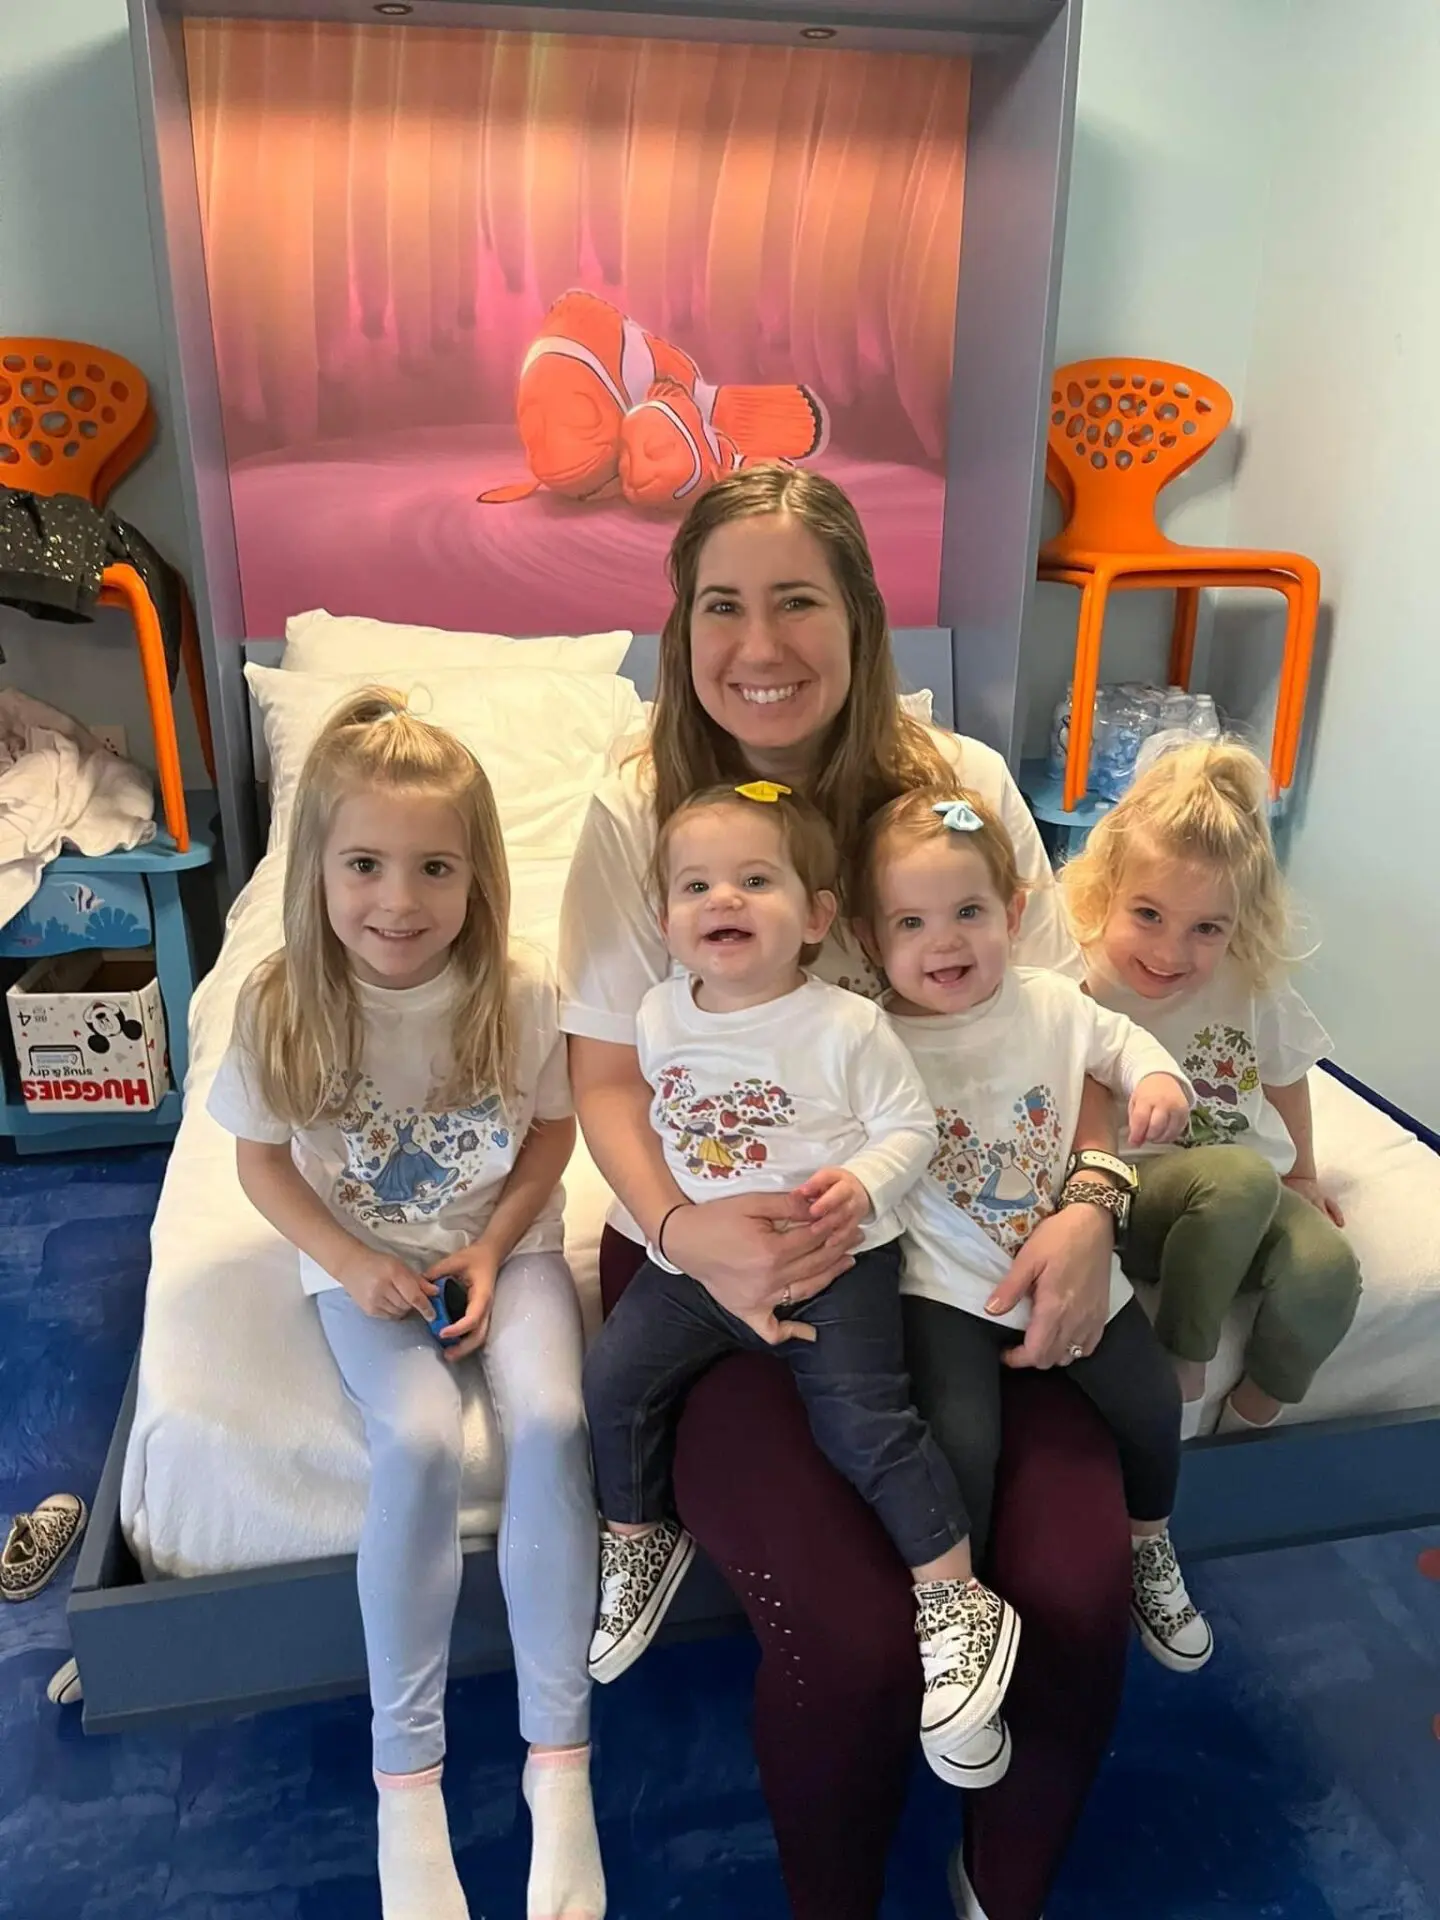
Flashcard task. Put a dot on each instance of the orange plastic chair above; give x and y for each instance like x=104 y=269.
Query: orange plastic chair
x=1120 y=430
x=74 y=419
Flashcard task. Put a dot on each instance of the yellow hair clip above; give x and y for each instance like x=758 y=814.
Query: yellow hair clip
x=770 y=790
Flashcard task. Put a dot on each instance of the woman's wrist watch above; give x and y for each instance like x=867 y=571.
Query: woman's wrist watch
x=1113 y=1189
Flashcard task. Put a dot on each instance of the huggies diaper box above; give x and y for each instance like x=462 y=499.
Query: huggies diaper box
x=89 y=1030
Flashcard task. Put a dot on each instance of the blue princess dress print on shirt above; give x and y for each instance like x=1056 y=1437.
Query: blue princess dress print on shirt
x=407 y=1166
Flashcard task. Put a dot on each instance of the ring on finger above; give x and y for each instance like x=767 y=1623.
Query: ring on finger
x=785 y=1298
x=1075 y=1353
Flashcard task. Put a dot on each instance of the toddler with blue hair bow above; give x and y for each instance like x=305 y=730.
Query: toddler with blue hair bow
x=1004 y=1052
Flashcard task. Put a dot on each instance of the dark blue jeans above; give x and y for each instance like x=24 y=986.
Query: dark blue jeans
x=666 y=1330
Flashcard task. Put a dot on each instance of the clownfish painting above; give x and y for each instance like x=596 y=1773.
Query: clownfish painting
x=607 y=410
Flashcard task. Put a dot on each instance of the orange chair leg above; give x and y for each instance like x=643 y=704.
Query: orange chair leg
x=129 y=589
x=195 y=678
x=1304 y=612
x=1082 y=697
x=1182 y=635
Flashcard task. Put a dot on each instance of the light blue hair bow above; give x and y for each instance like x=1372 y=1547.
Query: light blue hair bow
x=958 y=815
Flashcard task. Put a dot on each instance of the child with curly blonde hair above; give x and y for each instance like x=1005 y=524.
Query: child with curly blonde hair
x=1181 y=910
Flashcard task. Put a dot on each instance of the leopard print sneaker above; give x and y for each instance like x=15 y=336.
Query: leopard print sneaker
x=1172 y=1628
x=968 y=1641
x=639 y=1577
x=37 y=1544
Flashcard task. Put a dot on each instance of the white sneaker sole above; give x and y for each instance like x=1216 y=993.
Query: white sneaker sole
x=63 y=1688
x=627 y=1650
x=1167 y=1656
x=967 y=1907
x=39 y=1586
x=984 y=1702
x=952 y=1769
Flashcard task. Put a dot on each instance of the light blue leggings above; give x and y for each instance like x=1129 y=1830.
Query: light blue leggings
x=409 y=1565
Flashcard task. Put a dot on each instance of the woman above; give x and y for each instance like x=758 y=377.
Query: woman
x=775 y=662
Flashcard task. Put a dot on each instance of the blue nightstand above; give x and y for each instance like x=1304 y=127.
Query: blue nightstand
x=138 y=904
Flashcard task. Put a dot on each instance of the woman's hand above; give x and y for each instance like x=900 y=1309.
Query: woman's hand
x=1065 y=1266
x=758 y=1251
x=475 y=1267
x=1159 y=1111
x=383 y=1286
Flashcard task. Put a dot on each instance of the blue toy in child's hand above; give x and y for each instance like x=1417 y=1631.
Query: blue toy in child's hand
x=450 y=1305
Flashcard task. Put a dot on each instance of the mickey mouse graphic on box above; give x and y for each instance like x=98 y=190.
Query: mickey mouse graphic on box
x=89 y=1033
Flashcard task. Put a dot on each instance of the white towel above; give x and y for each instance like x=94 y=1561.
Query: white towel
x=59 y=785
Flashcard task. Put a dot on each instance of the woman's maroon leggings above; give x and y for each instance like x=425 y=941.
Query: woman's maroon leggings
x=837 y=1697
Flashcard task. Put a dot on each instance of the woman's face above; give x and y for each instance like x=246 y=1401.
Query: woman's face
x=769 y=640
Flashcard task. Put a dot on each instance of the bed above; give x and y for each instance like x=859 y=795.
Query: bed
x=218 y=1571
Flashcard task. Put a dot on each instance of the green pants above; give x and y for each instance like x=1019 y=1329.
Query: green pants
x=1212 y=1222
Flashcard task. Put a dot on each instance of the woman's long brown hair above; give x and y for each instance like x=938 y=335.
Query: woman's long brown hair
x=873 y=752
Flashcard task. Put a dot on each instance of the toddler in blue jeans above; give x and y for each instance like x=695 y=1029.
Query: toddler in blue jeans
x=767 y=1080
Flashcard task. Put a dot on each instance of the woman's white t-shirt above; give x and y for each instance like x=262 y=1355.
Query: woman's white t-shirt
x=612 y=951
x=611 y=948
x=394 y=1172
x=758 y=1100
x=1006 y=1080
x=1234 y=1040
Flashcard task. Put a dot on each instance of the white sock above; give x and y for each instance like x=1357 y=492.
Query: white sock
x=567 y=1881
x=1191 y=1413
x=1232 y=1421
x=418 y=1880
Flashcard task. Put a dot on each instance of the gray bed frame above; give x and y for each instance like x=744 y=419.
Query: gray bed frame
x=233 y=1643
x=238 y=1642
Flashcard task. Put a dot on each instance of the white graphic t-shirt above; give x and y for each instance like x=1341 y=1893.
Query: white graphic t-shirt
x=1233 y=1040
x=1006 y=1081
x=757 y=1101
x=612 y=950
x=395 y=1173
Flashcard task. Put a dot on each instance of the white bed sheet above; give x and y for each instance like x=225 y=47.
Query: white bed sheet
x=246 y=1453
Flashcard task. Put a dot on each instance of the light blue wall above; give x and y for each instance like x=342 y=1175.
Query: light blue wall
x=1340 y=418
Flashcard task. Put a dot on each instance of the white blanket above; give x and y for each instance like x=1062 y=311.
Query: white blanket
x=246 y=1453
x=59 y=785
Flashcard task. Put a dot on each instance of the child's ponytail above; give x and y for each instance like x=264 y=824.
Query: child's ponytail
x=1207 y=803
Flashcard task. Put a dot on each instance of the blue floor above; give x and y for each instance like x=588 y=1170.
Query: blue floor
x=1298 y=1778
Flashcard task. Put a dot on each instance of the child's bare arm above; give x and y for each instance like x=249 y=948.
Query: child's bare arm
x=382 y=1284
x=1292 y=1103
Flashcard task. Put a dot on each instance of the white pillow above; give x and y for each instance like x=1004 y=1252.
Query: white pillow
x=543 y=736
x=320 y=642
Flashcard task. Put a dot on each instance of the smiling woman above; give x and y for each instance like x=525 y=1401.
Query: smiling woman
x=776 y=662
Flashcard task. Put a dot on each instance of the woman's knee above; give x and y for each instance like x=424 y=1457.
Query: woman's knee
x=1061 y=1536
x=825 y=1590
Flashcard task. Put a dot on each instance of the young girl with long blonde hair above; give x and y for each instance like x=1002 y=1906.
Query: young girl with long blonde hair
x=1180 y=907
x=398 y=1091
